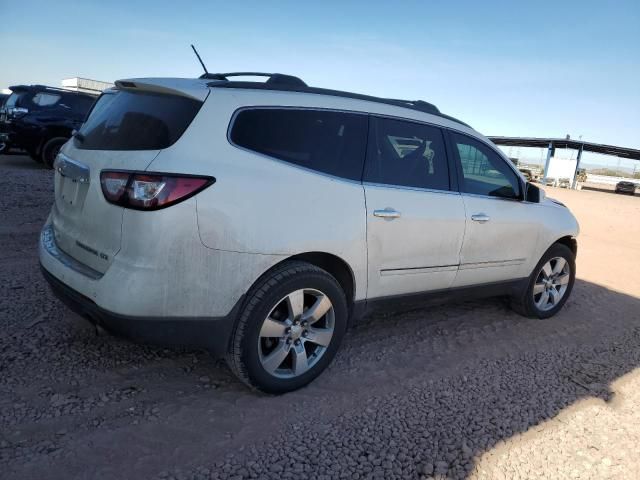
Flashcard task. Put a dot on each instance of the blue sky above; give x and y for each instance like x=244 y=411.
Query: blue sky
x=543 y=68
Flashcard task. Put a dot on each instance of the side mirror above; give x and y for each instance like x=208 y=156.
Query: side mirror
x=534 y=194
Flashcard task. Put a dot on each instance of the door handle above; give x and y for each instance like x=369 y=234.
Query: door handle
x=480 y=217
x=386 y=213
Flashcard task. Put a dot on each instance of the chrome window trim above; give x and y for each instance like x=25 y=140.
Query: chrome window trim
x=492 y=197
x=404 y=187
x=492 y=147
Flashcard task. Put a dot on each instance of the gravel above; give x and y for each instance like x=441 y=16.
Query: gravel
x=467 y=390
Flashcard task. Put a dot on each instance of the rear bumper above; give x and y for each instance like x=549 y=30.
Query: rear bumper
x=212 y=333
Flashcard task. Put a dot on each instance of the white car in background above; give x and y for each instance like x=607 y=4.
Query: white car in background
x=256 y=219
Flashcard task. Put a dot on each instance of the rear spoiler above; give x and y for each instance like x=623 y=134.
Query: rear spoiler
x=184 y=87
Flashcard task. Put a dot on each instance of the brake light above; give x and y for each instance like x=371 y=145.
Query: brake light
x=150 y=191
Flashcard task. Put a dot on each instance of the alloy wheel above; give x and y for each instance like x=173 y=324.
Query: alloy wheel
x=551 y=283
x=296 y=333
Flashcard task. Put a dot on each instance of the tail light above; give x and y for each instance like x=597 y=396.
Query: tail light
x=150 y=191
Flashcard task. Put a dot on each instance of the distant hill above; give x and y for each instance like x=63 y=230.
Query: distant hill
x=611 y=172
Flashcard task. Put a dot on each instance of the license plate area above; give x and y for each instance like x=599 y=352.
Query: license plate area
x=73 y=183
x=69 y=191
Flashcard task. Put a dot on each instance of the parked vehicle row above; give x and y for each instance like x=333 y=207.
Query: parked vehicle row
x=40 y=119
x=257 y=218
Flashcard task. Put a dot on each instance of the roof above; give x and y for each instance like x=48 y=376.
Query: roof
x=199 y=88
x=624 y=152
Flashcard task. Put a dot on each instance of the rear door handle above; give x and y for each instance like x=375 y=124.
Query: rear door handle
x=386 y=213
x=480 y=217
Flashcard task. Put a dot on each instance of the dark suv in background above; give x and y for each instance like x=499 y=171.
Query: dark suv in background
x=40 y=119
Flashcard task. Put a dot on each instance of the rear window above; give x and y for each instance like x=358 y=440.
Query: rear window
x=325 y=141
x=15 y=99
x=136 y=121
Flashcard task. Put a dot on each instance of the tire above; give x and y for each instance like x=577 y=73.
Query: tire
x=269 y=328
x=532 y=305
x=50 y=150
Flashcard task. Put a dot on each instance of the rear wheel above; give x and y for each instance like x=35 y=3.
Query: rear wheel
x=50 y=150
x=290 y=328
x=549 y=285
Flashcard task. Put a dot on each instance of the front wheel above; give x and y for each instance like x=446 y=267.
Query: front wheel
x=549 y=285
x=289 y=329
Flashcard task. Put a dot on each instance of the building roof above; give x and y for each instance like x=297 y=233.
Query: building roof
x=623 y=152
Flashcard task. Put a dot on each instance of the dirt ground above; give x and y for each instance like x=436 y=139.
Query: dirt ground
x=467 y=390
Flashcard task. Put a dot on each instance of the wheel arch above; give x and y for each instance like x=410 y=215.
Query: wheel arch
x=569 y=241
x=337 y=267
x=50 y=133
x=334 y=265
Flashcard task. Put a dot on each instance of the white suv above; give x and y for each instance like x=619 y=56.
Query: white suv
x=257 y=218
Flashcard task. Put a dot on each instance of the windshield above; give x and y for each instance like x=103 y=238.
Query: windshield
x=123 y=120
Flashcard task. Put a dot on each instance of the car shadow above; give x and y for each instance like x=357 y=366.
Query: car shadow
x=606 y=190
x=436 y=388
x=527 y=373
x=20 y=161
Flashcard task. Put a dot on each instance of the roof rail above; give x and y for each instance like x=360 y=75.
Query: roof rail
x=273 y=78
x=289 y=83
x=419 y=105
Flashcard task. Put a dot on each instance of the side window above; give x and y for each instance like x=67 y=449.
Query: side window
x=406 y=154
x=80 y=104
x=329 y=142
x=484 y=172
x=45 y=99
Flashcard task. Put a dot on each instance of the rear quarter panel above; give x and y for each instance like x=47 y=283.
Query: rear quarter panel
x=261 y=205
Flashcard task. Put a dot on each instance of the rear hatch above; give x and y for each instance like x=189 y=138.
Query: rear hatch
x=126 y=129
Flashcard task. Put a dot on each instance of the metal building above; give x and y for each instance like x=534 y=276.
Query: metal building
x=85 y=85
x=552 y=143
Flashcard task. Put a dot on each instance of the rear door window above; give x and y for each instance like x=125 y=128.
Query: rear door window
x=321 y=140
x=124 y=120
x=406 y=154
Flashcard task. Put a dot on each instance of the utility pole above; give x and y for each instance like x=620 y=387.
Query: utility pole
x=546 y=165
x=575 y=172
